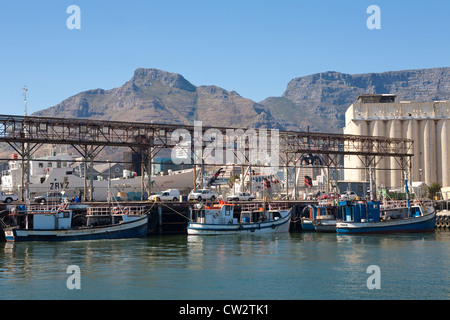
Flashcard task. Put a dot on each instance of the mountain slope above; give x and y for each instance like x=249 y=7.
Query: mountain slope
x=159 y=96
x=320 y=100
x=317 y=101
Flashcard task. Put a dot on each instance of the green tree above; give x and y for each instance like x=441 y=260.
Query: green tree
x=434 y=189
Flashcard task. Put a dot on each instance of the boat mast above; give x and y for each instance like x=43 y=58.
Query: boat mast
x=406 y=190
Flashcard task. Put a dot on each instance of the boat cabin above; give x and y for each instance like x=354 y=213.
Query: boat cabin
x=401 y=212
x=360 y=211
x=58 y=220
x=325 y=212
x=42 y=218
x=259 y=216
x=216 y=214
x=224 y=214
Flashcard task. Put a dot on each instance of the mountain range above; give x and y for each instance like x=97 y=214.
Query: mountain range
x=316 y=102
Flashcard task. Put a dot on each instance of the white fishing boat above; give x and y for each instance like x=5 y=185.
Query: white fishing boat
x=56 y=173
x=221 y=219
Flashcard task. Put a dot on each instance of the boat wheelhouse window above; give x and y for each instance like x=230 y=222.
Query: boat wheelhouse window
x=227 y=210
x=41 y=165
x=276 y=215
x=348 y=213
x=64 y=164
x=245 y=216
x=49 y=165
x=58 y=164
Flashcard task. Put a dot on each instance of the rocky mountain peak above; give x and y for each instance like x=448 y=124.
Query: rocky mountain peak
x=146 y=77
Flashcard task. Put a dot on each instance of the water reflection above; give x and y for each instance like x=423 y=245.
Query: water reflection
x=273 y=266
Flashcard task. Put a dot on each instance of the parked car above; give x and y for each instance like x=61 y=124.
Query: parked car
x=329 y=196
x=55 y=197
x=202 y=194
x=8 y=198
x=166 y=195
x=242 y=196
x=349 y=195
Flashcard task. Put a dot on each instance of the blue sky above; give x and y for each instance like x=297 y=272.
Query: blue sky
x=252 y=47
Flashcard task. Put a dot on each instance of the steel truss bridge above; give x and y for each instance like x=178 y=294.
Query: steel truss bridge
x=26 y=134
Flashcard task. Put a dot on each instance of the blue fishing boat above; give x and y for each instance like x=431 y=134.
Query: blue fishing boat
x=325 y=218
x=320 y=218
x=366 y=217
x=42 y=223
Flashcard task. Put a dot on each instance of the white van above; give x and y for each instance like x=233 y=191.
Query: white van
x=166 y=195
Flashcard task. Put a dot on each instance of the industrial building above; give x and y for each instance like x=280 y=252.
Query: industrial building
x=427 y=124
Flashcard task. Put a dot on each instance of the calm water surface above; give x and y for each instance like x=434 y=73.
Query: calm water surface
x=290 y=266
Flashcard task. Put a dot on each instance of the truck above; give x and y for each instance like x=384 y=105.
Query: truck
x=8 y=198
x=166 y=195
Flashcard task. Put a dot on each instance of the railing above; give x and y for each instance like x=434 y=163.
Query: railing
x=268 y=206
x=116 y=210
x=391 y=204
x=43 y=209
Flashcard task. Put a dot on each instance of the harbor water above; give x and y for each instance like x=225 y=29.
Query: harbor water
x=290 y=266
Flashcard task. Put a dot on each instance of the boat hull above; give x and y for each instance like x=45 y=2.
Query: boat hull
x=325 y=225
x=132 y=229
x=307 y=225
x=415 y=224
x=280 y=225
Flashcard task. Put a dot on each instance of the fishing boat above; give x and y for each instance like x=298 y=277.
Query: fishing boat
x=321 y=218
x=372 y=217
x=221 y=219
x=326 y=216
x=325 y=222
x=44 y=223
x=366 y=217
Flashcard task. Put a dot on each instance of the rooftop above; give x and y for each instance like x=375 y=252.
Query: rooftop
x=376 y=98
